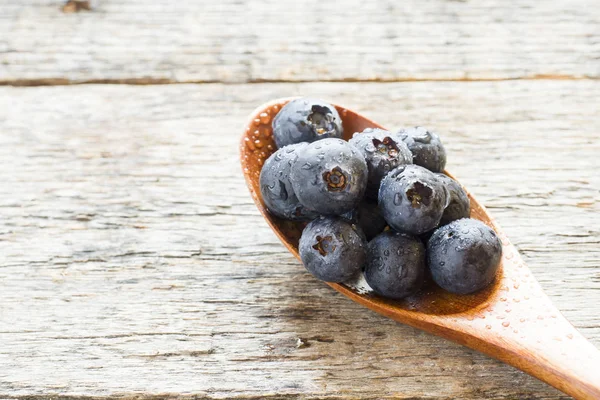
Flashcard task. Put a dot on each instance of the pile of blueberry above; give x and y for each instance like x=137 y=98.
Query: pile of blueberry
x=373 y=202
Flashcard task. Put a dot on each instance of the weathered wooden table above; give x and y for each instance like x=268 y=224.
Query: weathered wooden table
x=132 y=259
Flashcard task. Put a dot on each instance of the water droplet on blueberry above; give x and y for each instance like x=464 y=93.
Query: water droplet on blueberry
x=397 y=199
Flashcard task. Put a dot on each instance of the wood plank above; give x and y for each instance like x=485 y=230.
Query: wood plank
x=132 y=259
x=143 y=41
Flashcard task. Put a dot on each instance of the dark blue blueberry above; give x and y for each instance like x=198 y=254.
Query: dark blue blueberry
x=276 y=188
x=412 y=199
x=464 y=256
x=383 y=151
x=426 y=147
x=329 y=176
x=306 y=120
x=332 y=249
x=395 y=264
x=459 y=205
x=368 y=218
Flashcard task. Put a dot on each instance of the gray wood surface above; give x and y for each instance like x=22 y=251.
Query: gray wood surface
x=133 y=261
x=145 y=41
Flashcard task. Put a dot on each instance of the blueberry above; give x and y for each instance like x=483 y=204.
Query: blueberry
x=306 y=120
x=276 y=188
x=426 y=147
x=332 y=249
x=368 y=218
x=464 y=256
x=412 y=199
x=395 y=264
x=459 y=205
x=329 y=176
x=383 y=152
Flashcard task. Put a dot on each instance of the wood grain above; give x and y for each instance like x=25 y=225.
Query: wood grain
x=132 y=259
x=143 y=41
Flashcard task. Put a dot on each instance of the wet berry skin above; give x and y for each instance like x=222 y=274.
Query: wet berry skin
x=306 y=120
x=329 y=176
x=276 y=188
x=368 y=218
x=332 y=249
x=412 y=199
x=464 y=255
x=426 y=147
x=459 y=205
x=395 y=264
x=383 y=151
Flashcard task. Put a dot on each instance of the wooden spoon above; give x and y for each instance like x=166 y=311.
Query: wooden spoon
x=512 y=320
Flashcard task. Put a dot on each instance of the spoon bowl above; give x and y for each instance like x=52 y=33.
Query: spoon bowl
x=511 y=320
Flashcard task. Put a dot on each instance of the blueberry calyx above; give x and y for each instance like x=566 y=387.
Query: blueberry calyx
x=386 y=146
x=323 y=245
x=418 y=194
x=335 y=179
x=321 y=120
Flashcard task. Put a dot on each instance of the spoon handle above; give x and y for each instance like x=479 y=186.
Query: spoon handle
x=572 y=366
x=555 y=353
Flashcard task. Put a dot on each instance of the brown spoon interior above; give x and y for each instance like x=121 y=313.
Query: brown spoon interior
x=511 y=320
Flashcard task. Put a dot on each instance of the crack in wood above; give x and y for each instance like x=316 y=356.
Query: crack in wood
x=164 y=81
